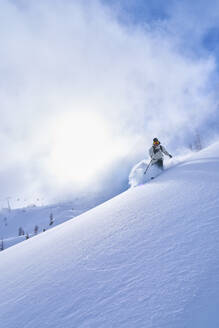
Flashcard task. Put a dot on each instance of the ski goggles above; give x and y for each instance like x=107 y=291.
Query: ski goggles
x=156 y=143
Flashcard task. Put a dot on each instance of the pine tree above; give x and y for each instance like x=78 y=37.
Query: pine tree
x=51 y=219
x=198 y=144
x=20 y=232
x=36 y=229
x=2 y=245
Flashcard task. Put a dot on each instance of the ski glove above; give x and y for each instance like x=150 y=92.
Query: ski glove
x=170 y=156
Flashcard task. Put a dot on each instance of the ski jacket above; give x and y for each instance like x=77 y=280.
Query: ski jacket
x=157 y=152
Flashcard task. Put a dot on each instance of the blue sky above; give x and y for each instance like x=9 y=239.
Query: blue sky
x=141 y=11
x=194 y=21
x=195 y=25
x=85 y=86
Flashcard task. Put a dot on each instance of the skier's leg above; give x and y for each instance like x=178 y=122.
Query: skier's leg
x=159 y=164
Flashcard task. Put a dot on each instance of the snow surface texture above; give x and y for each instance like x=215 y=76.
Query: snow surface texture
x=147 y=258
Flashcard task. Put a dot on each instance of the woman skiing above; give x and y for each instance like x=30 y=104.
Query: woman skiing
x=156 y=153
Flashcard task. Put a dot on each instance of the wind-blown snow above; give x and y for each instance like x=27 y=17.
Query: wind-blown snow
x=143 y=172
x=147 y=258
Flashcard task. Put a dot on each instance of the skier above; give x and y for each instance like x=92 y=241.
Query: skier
x=156 y=153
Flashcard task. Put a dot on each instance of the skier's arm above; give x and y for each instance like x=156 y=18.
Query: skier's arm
x=166 y=152
x=151 y=153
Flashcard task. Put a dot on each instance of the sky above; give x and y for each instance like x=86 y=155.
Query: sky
x=85 y=86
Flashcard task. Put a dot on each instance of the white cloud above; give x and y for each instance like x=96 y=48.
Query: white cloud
x=61 y=61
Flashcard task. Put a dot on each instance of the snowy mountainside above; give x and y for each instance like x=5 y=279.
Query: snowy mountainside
x=146 y=258
x=28 y=218
x=42 y=217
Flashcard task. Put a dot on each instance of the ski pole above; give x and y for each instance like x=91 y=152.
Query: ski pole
x=148 y=166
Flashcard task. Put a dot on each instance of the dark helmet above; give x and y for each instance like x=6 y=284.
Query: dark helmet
x=156 y=142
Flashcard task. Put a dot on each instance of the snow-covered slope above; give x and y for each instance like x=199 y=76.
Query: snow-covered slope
x=42 y=217
x=147 y=258
x=30 y=217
